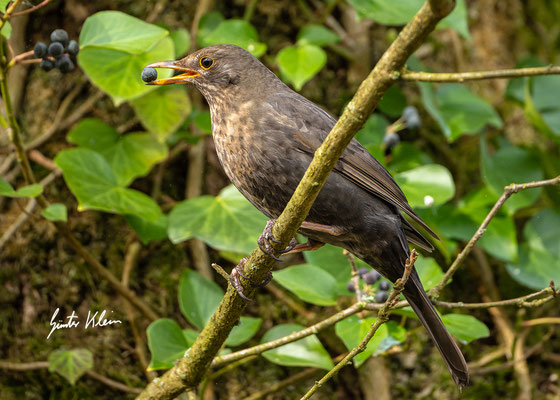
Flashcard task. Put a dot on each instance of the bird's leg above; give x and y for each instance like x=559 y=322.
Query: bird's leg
x=236 y=282
x=330 y=229
x=310 y=245
x=266 y=237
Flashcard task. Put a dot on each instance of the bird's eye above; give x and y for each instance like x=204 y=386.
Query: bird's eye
x=206 y=62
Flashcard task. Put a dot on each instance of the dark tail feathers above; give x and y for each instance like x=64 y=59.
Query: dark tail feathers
x=418 y=300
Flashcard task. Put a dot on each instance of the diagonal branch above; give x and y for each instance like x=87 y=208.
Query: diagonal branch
x=190 y=370
x=508 y=191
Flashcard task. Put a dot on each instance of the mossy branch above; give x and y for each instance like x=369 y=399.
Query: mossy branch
x=190 y=370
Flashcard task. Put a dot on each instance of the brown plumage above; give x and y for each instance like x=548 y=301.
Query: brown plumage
x=265 y=135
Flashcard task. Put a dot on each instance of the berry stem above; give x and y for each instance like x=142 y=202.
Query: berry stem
x=19 y=58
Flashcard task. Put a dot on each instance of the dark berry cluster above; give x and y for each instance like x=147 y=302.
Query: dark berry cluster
x=370 y=277
x=57 y=54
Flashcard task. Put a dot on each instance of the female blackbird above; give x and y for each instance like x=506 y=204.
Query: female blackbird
x=266 y=134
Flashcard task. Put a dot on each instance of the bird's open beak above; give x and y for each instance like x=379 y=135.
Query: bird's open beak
x=185 y=77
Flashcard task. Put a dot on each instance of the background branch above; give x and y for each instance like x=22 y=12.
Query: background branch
x=408 y=75
x=508 y=191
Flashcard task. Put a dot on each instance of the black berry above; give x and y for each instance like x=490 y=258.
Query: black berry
x=59 y=35
x=371 y=277
x=391 y=139
x=412 y=117
x=73 y=48
x=64 y=64
x=56 y=49
x=46 y=65
x=363 y=271
x=384 y=285
x=350 y=287
x=40 y=50
x=149 y=74
x=381 y=297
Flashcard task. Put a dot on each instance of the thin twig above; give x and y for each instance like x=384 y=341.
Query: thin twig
x=220 y=271
x=355 y=275
x=313 y=329
x=408 y=75
x=276 y=387
x=23 y=217
x=382 y=317
x=30 y=10
x=130 y=261
x=541 y=321
x=286 y=299
x=35 y=365
x=508 y=191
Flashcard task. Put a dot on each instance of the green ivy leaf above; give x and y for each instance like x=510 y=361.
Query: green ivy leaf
x=71 y=364
x=32 y=190
x=202 y=121
x=181 y=41
x=162 y=111
x=298 y=64
x=465 y=328
x=431 y=180
x=317 y=35
x=115 y=47
x=226 y=222
x=306 y=352
x=129 y=156
x=511 y=165
x=388 y=12
x=310 y=283
x=198 y=298
x=500 y=240
x=539 y=255
x=407 y=156
x=233 y=31
x=149 y=231
x=373 y=131
x=393 y=102
x=463 y=111
x=55 y=212
x=91 y=179
x=429 y=271
x=332 y=260
x=244 y=331
x=6 y=30
x=167 y=343
x=353 y=329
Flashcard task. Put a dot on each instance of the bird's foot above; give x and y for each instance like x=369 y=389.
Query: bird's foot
x=266 y=237
x=236 y=282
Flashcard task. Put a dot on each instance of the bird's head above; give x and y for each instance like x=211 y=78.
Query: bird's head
x=217 y=71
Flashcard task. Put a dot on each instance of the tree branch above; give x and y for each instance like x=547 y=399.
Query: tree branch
x=508 y=191
x=408 y=75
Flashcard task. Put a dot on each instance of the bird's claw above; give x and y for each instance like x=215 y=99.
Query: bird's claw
x=236 y=282
x=266 y=237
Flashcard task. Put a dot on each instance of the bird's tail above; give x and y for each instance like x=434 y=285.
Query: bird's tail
x=418 y=300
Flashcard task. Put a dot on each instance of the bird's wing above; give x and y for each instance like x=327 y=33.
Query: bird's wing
x=356 y=163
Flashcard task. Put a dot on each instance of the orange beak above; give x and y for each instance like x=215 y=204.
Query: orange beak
x=185 y=77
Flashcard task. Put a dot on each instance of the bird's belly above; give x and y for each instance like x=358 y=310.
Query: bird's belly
x=258 y=171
